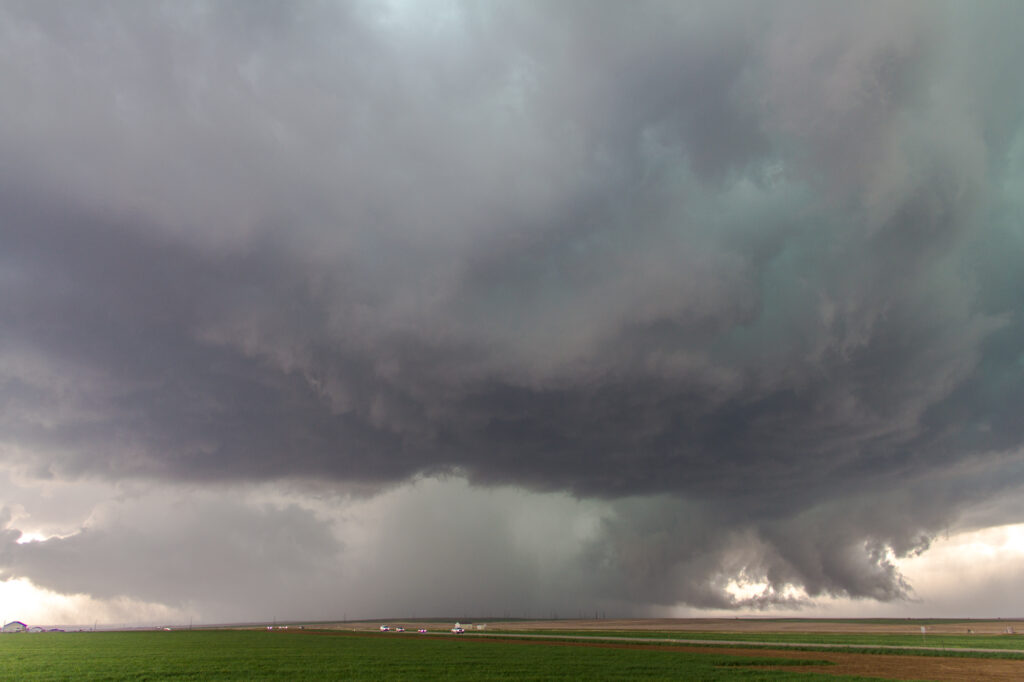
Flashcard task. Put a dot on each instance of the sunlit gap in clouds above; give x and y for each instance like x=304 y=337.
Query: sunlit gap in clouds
x=745 y=590
x=21 y=600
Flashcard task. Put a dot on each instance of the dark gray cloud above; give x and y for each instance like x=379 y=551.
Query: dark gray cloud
x=756 y=260
x=309 y=553
x=218 y=556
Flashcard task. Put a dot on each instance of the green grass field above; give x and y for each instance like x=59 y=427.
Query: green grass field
x=262 y=655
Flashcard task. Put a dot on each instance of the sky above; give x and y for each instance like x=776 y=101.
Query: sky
x=334 y=310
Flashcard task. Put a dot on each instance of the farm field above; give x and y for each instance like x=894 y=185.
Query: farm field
x=322 y=654
x=1007 y=643
x=875 y=626
x=312 y=655
x=940 y=634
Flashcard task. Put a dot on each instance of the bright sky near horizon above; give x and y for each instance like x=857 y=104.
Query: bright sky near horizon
x=317 y=309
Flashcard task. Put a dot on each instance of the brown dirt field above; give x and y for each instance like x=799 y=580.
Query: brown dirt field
x=883 y=667
x=749 y=625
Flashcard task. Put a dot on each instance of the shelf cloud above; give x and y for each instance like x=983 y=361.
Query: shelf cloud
x=743 y=276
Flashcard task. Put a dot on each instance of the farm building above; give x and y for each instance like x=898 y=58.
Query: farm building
x=15 y=626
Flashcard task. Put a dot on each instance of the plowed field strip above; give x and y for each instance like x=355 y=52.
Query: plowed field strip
x=881 y=666
x=747 y=643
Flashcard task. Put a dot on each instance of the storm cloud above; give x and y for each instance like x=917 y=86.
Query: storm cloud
x=743 y=274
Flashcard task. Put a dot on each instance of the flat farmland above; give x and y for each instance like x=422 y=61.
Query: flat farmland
x=313 y=655
x=939 y=634
x=903 y=633
x=879 y=626
x=320 y=653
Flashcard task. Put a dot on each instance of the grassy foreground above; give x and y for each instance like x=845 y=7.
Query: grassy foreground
x=261 y=655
